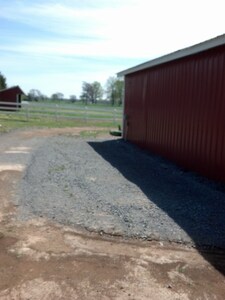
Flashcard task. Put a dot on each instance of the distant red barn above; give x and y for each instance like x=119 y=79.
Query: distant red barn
x=10 y=96
x=174 y=106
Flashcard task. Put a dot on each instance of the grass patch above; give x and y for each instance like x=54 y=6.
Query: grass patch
x=92 y=133
x=57 y=169
x=12 y=122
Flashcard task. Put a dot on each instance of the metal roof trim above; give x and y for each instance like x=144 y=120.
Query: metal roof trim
x=203 y=46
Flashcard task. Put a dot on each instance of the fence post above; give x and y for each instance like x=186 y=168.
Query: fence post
x=27 y=112
x=56 y=112
x=114 y=116
x=86 y=114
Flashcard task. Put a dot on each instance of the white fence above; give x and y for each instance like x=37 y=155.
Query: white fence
x=29 y=110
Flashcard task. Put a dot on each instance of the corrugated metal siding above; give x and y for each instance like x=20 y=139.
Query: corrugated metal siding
x=177 y=110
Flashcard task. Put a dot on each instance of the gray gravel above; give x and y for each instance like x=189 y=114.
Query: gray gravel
x=113 y=187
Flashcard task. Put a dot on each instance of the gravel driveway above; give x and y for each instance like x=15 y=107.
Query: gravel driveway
x=110 y=186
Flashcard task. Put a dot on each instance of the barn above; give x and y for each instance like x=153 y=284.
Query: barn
x=174 y=106
x=10 y=98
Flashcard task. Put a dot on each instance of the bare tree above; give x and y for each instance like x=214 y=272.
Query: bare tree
x=114 y=90
x=57 y=96
x=73 y=98
x=97 y=91
x=91 y=92
x=35 y=95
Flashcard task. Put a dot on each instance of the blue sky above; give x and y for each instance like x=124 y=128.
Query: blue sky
x=54 y=46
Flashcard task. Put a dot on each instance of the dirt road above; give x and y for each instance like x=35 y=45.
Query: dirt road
x=40 y=259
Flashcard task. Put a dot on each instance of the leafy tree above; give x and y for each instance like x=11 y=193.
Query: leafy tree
x=91 y=92
x=35 y=95
x=3 y=84
x=114 y=90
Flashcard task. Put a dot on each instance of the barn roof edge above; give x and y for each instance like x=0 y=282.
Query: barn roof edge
x=12 y=87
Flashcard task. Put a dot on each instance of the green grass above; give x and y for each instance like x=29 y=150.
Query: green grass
x=74 y=111
x=12 y=122
x=78 y=103
x=33 y=115
x=69 y=111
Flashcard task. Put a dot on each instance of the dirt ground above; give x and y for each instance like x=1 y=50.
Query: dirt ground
x=44 y=260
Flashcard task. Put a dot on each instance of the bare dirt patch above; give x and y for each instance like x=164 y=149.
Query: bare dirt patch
x=41 y=259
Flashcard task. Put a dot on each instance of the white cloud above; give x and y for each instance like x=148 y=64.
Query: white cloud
x=138 y=28
x=57 y=36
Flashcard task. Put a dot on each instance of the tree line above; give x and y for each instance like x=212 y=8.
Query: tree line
x=3 y=83
x=92 y=92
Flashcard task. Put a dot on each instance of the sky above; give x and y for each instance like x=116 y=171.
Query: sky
x=54 y=46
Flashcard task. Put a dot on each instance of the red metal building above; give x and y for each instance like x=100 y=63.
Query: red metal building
x=175 y=107
x=10 y=96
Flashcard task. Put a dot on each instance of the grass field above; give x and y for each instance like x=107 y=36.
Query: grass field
x=52 y=115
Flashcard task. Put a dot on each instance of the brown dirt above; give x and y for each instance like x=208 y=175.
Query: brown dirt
x=44 y=260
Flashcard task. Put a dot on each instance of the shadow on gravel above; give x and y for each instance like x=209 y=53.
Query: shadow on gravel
x=196 y=204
